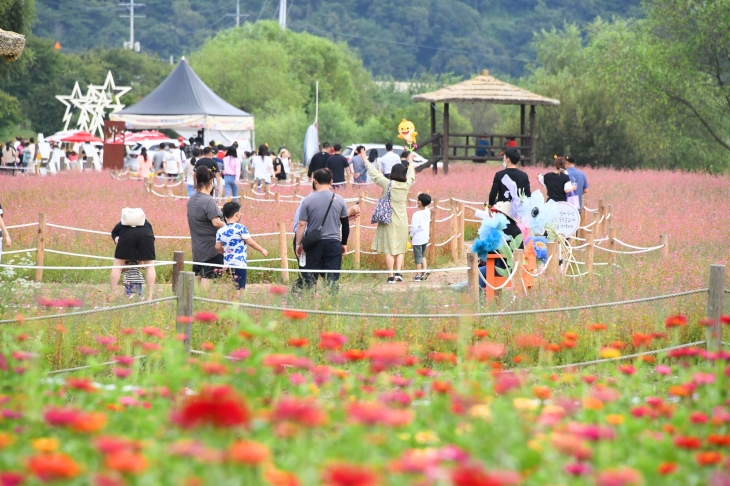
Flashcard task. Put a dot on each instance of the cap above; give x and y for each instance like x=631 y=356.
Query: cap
x=180 y=139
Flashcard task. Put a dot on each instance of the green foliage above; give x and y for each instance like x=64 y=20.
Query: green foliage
x=397 y=39
x=10 y=114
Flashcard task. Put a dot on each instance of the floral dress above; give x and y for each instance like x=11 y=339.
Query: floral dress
x=392 y=238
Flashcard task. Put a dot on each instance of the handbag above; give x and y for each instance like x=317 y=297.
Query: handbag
x=383 y=210
x=312 y=238
x=133 y=217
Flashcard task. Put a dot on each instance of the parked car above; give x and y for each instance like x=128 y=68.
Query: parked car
x=349 y=151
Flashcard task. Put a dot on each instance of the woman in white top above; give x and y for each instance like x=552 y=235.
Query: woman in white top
x=261 y=167
x=285 y=158
x=189 y=171
x=231 y=172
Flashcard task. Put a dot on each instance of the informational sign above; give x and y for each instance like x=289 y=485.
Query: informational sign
x=568 y=219
x=45 y=150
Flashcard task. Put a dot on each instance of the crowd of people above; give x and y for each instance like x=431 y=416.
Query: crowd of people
x=24 y=157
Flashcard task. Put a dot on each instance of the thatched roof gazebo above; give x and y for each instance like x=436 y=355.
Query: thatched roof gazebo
x=481 y=89
x=11 y=45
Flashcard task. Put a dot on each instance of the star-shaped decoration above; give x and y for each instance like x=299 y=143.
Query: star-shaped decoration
x=94 y=105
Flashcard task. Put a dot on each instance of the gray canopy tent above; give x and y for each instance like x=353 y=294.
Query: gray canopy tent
x=182 y=102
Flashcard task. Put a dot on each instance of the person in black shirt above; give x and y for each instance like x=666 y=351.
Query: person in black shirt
x=339 y=166
x=207 y=161
x=279 y=170
x=557 y=182
x=319 y=161
x=510 y=160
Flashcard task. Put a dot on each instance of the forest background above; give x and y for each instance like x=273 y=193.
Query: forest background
x=641 y=84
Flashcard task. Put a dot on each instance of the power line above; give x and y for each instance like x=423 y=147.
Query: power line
x=420 y=46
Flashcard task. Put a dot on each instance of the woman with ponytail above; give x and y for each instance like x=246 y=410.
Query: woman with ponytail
x=557 y=182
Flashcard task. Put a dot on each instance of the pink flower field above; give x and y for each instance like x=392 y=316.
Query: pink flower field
x=287 y=396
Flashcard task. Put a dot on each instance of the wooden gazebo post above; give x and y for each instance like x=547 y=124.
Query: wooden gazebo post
x=481 y=89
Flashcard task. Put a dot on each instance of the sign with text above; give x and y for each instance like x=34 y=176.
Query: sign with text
x=568 y=220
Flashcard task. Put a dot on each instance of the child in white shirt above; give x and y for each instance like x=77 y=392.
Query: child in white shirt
x=420 y=235
x=233 y=240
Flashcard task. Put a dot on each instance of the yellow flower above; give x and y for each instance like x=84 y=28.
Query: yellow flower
x=610 y=353
x=481 y=411
x=314 y=389
x=463 y=428
x=404 y=436
x=567 y=378
x=615 y=419
x=46 y=444
x=427 y=437
x=525 y=403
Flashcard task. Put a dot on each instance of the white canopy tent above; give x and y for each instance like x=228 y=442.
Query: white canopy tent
x=183 y=103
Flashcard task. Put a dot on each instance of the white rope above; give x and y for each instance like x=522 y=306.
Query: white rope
x=509 y=279
x=90 y=311
x=637 y=247
x=537 y=274
x=590 y=210
x=105 y=233
x=43 y=267
x=452 y=316
x=588 y=225
x=630 y=252
x=580 y=247
x=21 y=225
x=96 y=365
x=79 y=255
x=445 y=219
x=19 y=251
x=445 y=242
x=260 y=200
x=306 y=270
x=465 y=202
x=270 y=260
x=473 y=220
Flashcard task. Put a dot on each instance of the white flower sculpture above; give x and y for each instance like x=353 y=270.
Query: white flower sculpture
x=536 y=214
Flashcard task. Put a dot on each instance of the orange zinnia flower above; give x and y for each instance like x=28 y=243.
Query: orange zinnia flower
x=676 y=321
x=295 y=315
x=298 y=342
x=708 y=458
x=541 y=392
x=248 y=453
x=89 y=422
x=597 y=327
x=126 y=462
x=480 y=333
x=667 y=468
x=53 y=466
x=687 y=442
x=276 y=477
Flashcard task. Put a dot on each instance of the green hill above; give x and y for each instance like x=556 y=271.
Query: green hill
x=396 y=39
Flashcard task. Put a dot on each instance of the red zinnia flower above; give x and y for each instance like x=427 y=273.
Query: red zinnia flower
x=61 y=417
x=349 y=475
x=676 y=321
x=354 y=355
x=485 y=351
x=10 y=478
x=624 y=476
x=687 y=442
x=384 y=333
x=84 y=384
x=384 y=355
x=277 y=290
x=305 y=412
x=331 y=340
x=219 y=406
x=153 y=331
x=126 y=462
x=52 y=466
x=374 y=413
x=475 y=475
x=667 y=468
x=298 y=342
x=480 y=333
x=295 y=315
x=280 y=361
x=205 y=316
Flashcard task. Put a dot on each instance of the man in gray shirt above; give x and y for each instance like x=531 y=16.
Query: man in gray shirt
x=158 y=158
x=327 y=254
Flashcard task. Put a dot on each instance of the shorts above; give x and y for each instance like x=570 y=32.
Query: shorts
x=239 y=278
x=172 y=176
x=136 y=243
x=131 y=288
x=204 y=271
x=418 y=252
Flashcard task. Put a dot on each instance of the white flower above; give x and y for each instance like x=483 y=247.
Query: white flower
x=536 y=214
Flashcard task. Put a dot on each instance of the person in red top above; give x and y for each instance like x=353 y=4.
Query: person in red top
x=511 y=142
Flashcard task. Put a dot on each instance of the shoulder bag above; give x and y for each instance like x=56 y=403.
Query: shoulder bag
x=312 y=238
x=383 y=210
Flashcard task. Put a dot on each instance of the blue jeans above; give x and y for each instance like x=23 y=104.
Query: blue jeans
x=231 y=186
x=191 y=190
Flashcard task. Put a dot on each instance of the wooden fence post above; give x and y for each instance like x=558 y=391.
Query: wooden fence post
x=590 y=249
x=454 y=233
x=348 y=184
x=297 y=180
x=185 y=307
x=553 y=269
x=358 y=241
x=664 y=240
x=472 y=261
x=588 y=220
x=283 y=252
x=40 y=253
x=715 y=306
x=581 y=232
x=177 y=267
x=611 y=245
x=461 y=228
x=432 y=239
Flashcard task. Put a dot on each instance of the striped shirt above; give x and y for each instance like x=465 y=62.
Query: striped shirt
x=133 y=275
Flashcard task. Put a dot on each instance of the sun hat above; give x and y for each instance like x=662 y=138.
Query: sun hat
x=504 y=207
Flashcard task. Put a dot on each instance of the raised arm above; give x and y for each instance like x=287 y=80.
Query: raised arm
x=411 y=174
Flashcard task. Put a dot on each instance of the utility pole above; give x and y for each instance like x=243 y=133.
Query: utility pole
x=130 y=6
x=282 y=14
x=238 y=15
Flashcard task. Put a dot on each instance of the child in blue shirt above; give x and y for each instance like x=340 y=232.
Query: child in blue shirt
x=233 y=241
